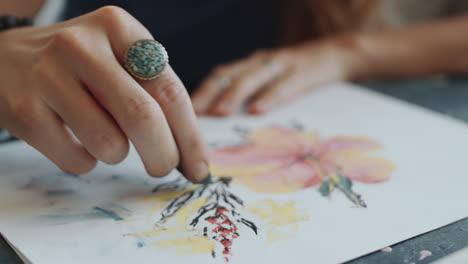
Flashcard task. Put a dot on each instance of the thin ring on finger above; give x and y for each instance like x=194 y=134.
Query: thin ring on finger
x=274 y=67
x=253 y=79
x=223 y=82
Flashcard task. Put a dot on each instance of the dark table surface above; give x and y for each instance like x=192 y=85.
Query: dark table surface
x=446 y=95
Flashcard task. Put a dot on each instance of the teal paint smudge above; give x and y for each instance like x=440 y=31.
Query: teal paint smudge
x=140 y=244
x=56 y=193
x=108 y=213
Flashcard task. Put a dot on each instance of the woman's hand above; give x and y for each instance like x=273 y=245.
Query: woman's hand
x=268 y=79
x=64 y=91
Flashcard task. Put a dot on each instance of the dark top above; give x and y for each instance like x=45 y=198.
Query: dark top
x=200 y=35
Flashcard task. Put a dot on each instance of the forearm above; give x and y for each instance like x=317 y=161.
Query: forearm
x=22 y=8
x=420 y=50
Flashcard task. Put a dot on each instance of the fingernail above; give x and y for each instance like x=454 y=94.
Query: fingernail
x=207 y=180
x=201 y=173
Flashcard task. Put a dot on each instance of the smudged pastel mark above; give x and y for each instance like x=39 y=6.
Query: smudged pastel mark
x=53 y=185
x=59 y=192
x=65 y=216
x=140 y=244
x=192 y=245
x=275 y=234
x=68 y=175
x=108 y=213
x=278 y=213
x=178 y=225
x=386 y=249
x=281 y=218
x=424 y=254
x=120 y=207
x=116 y=177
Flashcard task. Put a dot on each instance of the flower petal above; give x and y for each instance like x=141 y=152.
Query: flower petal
x=358 y=166
x=286 y=139
x=248 y=155
x=288 y=178
x=345 y=143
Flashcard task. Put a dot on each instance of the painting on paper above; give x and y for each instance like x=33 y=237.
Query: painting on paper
x=270 y=160
x=308 y=183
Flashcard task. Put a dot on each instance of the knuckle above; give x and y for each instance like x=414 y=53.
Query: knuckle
x=27 y=113
x=140 y=111
x=170 y=91
x=71 y=40
x=64 y=38
x=112 y=15
x=109 y=147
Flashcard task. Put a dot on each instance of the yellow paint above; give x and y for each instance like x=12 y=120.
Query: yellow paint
x=188 y=245
x=247 y=177
x=334 y=178
x=241 y=172
x=281 y=218
x=278 y=214
x=157 y=232
x=373 y=168
x=156 y=207
x=276 y=234
x=188 y=211
x=167 y=195
x=130 y=220
x=176 y=225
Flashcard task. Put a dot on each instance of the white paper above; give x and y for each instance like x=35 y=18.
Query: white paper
x=52 y=218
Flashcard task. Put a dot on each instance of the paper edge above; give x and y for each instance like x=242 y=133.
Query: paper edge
x=18 y=253
x=411 y=237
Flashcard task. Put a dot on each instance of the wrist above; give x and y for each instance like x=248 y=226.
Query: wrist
x=353 y=50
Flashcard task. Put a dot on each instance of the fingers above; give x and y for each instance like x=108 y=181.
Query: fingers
x=156 y=115
x=229 y=87
x=283 y=90
x=137 y=113
x=243 y=88
x=221 y=78
x=171 y=95
x=95 y=129
x=42 y=129
x=270 y=78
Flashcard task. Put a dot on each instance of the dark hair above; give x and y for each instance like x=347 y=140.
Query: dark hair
x=308 y=19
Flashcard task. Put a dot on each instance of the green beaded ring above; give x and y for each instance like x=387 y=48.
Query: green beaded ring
x=146 y=59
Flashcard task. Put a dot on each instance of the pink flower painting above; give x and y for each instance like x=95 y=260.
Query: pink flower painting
x=277 y=159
